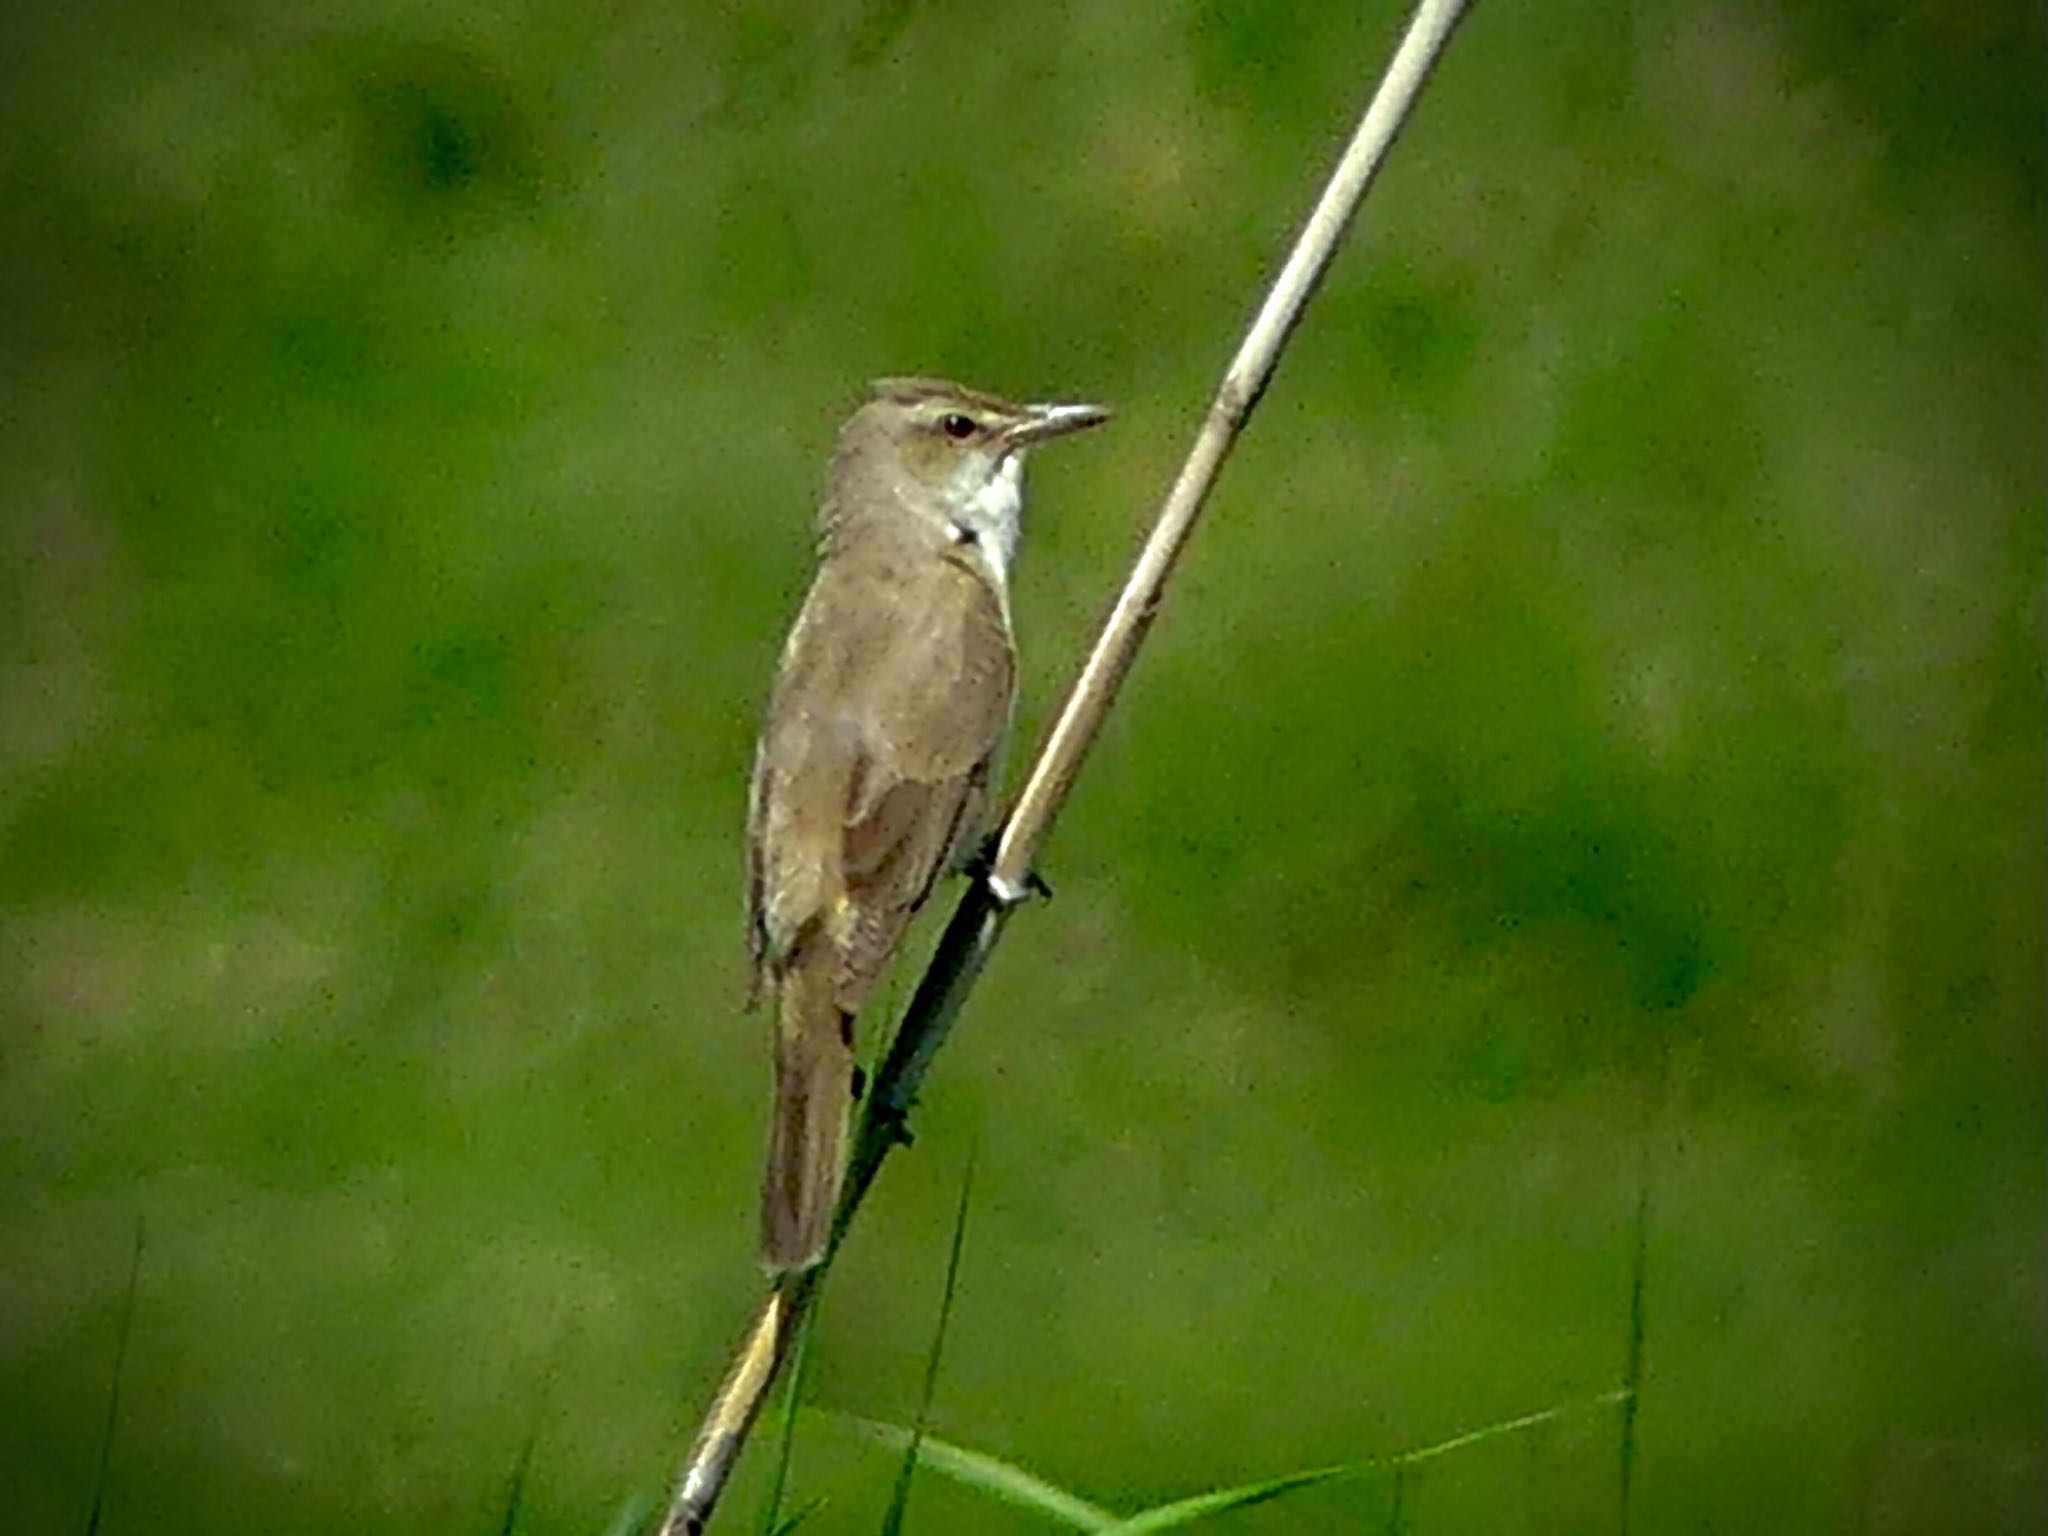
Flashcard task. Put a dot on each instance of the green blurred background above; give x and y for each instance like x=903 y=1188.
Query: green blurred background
x=1598 y=737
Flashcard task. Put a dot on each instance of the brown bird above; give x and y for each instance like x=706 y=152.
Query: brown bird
x=880 y=746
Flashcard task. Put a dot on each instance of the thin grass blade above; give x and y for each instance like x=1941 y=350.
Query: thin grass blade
x=899 y=1499
x=785 y=1444
x=1632 y=1375
x=990 y=1474
x=125 y=1329
x=632 y=1516
x=522 y=1465
x=1204 y=1506
x=515 y=1492
x=800 y=1515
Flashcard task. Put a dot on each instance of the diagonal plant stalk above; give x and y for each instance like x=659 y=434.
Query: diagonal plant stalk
x=978 y=922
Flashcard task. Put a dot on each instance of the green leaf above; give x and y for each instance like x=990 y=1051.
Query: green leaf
x=1001 y=1479
x=1014 y=1485
x=785 y=1448
x=899 y=1499
x=1190 y=1511
x=800 y=1515
x=1202 y=1506
x=631 y=1519
x=124 y=1329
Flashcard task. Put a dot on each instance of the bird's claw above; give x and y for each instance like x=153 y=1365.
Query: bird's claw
x=982 y=870
x=1014 y=895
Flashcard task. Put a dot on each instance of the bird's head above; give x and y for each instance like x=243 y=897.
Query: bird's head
x=956 y=455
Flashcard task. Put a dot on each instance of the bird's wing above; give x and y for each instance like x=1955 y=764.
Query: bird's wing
x=757 y=932
x=921 y=781
x=803 y=766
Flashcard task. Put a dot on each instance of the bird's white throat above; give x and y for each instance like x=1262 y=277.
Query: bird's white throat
x=993 y=513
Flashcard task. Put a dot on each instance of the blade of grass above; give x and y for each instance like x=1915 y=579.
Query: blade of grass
x=1014 y=1485
x=1632 y=1373
x=1204 y=1506
x=522 y=1466
x=1398 y=1502
x=899 y=1500
x=631 y=1519
x=802 y=1514
x=125 y=1329
x=991 y=1475
x=785 y=1447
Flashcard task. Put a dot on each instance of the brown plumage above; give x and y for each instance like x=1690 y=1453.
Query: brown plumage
x=876 y=759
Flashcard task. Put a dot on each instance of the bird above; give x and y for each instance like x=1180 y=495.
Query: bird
x=880 y=746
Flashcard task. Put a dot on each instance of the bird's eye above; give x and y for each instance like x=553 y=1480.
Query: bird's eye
x=956 y=426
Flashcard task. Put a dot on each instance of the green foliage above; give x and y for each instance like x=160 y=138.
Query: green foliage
x=986 y=1474
x=1002 y=1480
x=899 y=1498
x=772 y=1520
x=1619 y=640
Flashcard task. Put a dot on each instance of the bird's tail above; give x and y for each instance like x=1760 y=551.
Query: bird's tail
x=813 y=1094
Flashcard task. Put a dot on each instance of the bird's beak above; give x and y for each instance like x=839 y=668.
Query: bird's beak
x=1044 y=422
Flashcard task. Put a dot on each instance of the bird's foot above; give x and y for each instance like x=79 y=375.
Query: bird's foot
x=1013 y=893
x=982 y=869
